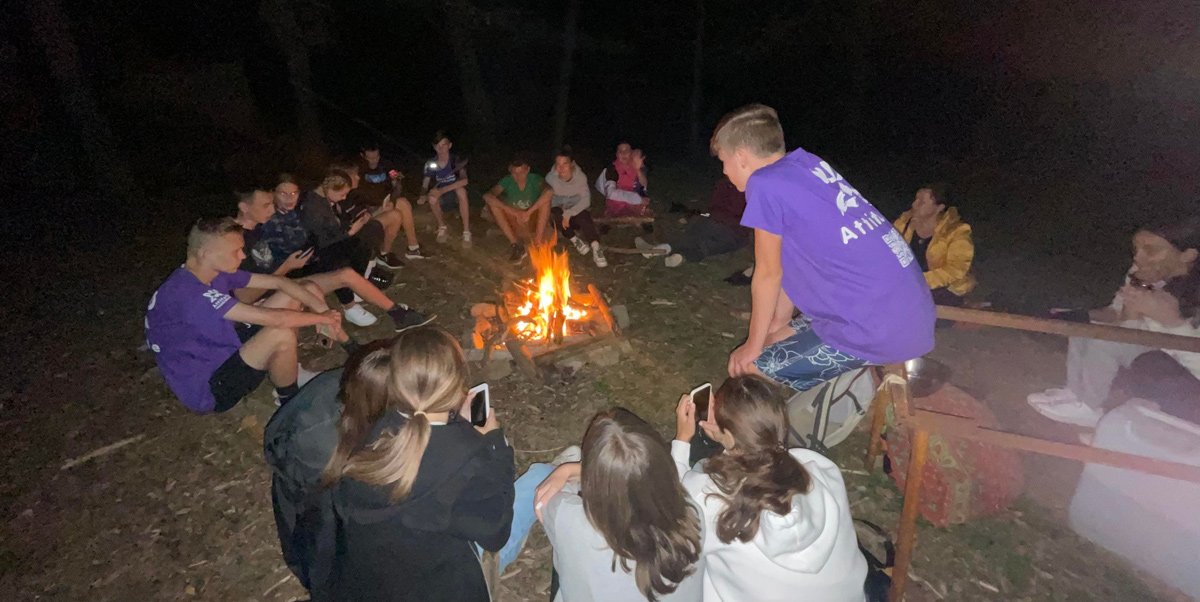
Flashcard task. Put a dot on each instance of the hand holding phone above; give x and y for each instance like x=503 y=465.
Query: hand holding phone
x=478 y=405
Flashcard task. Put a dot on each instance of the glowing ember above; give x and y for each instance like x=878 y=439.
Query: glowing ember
x=543 y=309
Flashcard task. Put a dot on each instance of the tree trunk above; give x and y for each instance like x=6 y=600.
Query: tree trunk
x=475 y=96
x=51 y=30
x=281 y=20
x=570 y=36
x=697 y=104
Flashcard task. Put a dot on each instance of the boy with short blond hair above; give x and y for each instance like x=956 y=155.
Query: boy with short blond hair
x=819 y=247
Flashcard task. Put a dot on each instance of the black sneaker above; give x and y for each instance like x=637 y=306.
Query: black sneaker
x=415 y=254
x=381 y=280
x=739 y=278
x=389 y=261
x=406 y=317
x=518 y=253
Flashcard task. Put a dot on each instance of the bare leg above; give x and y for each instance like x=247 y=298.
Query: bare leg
x=540 y=217
x=391 y=221
x=435 y=205
x=404 y=208
x=464 y=208
x=348 y=278
x=274 y=350
x=500 y=212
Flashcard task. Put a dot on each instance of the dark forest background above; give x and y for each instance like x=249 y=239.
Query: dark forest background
x=1079 y=113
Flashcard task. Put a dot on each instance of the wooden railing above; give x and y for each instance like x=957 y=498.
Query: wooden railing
x=923 y=423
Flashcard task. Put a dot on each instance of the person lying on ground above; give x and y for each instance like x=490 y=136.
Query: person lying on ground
x=777 y=524
x=366 y=240
x=621 y=524
x=819 y=247
x=716 y=233
x=520 y=202
x=1161 y=293
x=623 y=184
x=445 y=185
x=302 y=437
x=570 y=206
x=330 y=271
x=418 y=491
x=213 y=350
x=378 y=191
x=941 y=242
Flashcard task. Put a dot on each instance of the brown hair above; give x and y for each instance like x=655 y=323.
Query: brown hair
x=758 y=474
x=632 y=496
x=754 y=127
x=208 y=228
x=364 y=394
x=428 y=373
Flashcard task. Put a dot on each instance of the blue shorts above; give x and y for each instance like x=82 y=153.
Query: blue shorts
x=802 y=361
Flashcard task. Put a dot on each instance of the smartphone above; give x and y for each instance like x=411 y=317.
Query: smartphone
x=480 y=404
x=701 y=396
x=308 y=251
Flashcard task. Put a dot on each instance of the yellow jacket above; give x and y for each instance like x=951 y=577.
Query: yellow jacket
x=949 y=254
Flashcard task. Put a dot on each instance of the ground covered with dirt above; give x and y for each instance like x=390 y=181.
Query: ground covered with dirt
x=178 y=508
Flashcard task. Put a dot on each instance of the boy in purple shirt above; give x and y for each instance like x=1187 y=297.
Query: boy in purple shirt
x=213 y=350
x=819 y=247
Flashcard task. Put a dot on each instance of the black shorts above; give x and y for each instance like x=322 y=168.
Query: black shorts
x=235 y=379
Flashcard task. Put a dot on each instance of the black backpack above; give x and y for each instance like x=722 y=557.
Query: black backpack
x=297 y=444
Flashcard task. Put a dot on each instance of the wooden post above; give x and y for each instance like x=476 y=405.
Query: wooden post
x=602 y=306
x=878 y=417
x=907 y=532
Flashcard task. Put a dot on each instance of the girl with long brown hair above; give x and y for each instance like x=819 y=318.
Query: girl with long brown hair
x=620 y=522
x=417 y=491
x=778 y=523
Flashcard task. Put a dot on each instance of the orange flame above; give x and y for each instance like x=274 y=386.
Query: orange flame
x=544 y=305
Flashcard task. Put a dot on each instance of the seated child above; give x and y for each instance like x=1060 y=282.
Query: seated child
x=569 y=207
x=623 y=184
x=213 y=350
x=380 y=190
x=520 y=203
x=445 y=184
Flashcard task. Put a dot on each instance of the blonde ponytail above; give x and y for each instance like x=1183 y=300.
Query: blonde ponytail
x=428 y=374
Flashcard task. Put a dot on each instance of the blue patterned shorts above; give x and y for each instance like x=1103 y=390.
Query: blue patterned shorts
x=802 y=361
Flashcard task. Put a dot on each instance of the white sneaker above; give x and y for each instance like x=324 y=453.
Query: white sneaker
x=581 y=246
x=466 y=238
x=598 y=255
x=1077 y=413
x=1051 y=397
x=358 y=315
x=644 y=247
x=441 y=234
x=673 y=261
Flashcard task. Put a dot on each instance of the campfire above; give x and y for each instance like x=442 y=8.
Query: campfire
x=540 y=319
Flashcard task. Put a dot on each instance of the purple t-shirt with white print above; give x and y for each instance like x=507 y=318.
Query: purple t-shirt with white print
x=844 y=265
x=189 y=335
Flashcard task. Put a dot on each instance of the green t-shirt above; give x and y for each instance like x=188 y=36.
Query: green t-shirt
x=521 y=199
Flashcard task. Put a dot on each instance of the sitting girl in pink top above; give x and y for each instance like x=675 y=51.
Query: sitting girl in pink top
x=623 y=184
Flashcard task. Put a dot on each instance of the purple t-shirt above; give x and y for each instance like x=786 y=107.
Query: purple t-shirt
x=844 y=265
x=189 y=335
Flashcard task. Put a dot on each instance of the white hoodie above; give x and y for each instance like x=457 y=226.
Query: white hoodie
x=809 y=554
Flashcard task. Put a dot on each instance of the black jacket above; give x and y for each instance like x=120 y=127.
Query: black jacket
x=423 y=548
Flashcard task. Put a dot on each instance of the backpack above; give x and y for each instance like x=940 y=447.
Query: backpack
x=297 y=444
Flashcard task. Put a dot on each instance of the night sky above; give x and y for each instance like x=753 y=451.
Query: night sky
x=1100 y=94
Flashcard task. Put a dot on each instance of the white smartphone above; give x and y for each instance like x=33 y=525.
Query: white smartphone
x=701 y=396
x=479 y=404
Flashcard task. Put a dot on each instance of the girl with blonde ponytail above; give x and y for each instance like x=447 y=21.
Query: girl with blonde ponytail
x=423 y=490
x=778 y=523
